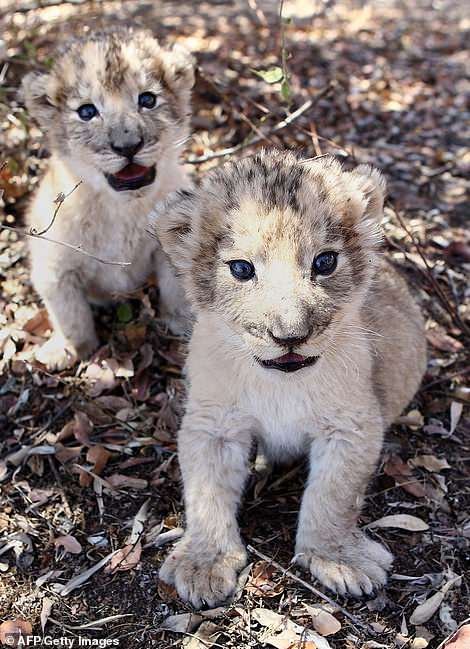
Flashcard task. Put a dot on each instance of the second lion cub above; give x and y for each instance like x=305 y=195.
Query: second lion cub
x=306 y=340
x=115 y=106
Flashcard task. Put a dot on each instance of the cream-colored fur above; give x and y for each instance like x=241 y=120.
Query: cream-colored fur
x=278 y=212
x=108 y=70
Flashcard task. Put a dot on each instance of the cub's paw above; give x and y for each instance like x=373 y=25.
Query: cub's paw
x=356 y=568
x=55 y=354
x=202 y=578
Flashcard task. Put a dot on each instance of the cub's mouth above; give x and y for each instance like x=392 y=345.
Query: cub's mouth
x=288 y=362
x=132 y=176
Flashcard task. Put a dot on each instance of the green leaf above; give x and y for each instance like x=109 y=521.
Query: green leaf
x=273 y=75
x=124 y=312
x=285 y=90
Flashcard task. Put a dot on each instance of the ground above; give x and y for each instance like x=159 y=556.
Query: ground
x=89 y=457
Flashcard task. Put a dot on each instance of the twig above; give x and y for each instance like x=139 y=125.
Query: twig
x=255 y=140
x=313 y=590
x=58 y=201
x=27 y=233
x=450 y=308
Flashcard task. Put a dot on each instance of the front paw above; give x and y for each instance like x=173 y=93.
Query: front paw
x=202 y=577
x=354 y=567
x=56 y=355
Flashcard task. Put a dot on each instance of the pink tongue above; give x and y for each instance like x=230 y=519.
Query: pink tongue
x=131 y=171
x=290 y=358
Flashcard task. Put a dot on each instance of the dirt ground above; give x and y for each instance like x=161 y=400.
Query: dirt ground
x=88 y=456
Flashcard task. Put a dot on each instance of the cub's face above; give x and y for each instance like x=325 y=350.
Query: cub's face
x=116 y=107
x=280 y=248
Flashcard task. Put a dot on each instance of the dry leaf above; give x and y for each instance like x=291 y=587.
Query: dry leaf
x=204 y=638
x=456 y=409
x=403 y=475
x=119 y=480
x=414 y=419
x=65 y=589
x=46 y=611
x=82 y=428
x=430 y=462
x=261 y=583
x=426 y=610
x=460 y=640
x=401 y=521
x=182 y=623
x=99 y=457
x=323 y=622
x=69 y=543
x=442 y=341
x=12 y=630
x=125 y=559
x=282 y=633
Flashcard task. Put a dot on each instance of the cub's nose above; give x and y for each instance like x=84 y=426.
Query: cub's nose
x=129 y=149
x=290 y=341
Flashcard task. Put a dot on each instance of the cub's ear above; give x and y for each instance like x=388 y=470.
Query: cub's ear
x=372 y=185
x=35 y=89
x=172 y=222
x=180 y=67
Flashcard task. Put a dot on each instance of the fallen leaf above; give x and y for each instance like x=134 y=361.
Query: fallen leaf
x=460 y=640
x=323 y=622
x=442 y=341
x=414 y=419
x=181 y=623
x=82 y=428
x=430 y=462
x=426 y=610
x=402 y=473
x=69 y=543
x=46 y=611
x=456 y=409
x=119 y=480
x=99 y=457
x=125 y=559
x=282 y=633
x=39 y=324
x=12 y=630
x=65 y=589
x=261 y=583
x=401 y=521
x=204 y=638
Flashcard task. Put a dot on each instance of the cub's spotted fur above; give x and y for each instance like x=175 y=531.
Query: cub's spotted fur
x=115 y=108
x=306 y=341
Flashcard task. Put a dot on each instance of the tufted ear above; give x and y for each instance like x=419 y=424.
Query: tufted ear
x=372 y=185
x=180 y=67
x=171 y=222
x=35 y=90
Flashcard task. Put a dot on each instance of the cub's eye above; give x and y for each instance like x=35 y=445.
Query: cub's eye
x=242 y=270
x=325 y=263
x=87 y=112
x=147 y=100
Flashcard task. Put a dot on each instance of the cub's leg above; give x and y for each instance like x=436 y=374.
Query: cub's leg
x=214 y=447
x=329 y=544
x=174 y=308
x=74 y=333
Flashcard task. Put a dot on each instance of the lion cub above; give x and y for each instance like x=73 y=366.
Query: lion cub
x=306 y=340
x=115 y=107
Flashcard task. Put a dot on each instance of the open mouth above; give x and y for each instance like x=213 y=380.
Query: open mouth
x=132 y=176
x=289 y=362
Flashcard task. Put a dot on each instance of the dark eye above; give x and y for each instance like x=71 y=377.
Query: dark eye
x=242 y=270
x=87 y=112
x=325 y=263
x=147 y=100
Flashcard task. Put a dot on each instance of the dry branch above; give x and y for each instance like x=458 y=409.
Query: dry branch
x=312 y=589
x=265 y=135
